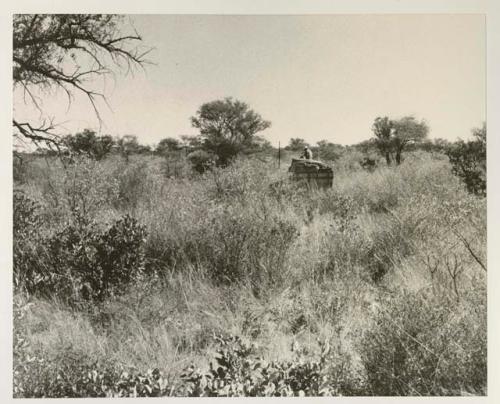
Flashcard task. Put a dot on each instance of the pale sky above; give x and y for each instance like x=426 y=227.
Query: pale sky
x=314 y=77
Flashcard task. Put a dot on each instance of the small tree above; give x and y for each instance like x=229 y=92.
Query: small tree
x=87 y=142
x=407 y=130
x=329 y=151
x=382 y=129
x=392 y=136
x=227 y=128
x=296 y=144
x=128 y=144
x=259 y=144
x=168 y=145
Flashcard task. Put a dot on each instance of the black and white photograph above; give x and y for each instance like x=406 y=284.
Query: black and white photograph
x=248 y=205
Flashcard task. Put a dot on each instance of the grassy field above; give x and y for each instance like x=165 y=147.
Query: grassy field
x=376 y=286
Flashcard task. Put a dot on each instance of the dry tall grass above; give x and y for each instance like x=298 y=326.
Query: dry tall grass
x=387 y=267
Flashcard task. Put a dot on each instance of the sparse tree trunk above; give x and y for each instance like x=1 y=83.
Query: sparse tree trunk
x=399 y=152
x=398 y=157
x=388 y=158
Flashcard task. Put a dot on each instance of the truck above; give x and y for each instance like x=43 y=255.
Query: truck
x=313 y=173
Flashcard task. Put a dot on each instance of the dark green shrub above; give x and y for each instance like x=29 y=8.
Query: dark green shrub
x=88 y=143
x=74 y=376
x=202 y=160
x=28 y=253
x=97 y=263
x=369 y=163
x=238 y=372
x=469 y=162
x=235 y=371
x=26 y=217
x=79 y=262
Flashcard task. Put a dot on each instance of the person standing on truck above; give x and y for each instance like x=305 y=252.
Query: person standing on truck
x=307 y=154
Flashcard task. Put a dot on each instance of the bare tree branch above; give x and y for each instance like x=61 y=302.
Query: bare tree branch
x=46 y=47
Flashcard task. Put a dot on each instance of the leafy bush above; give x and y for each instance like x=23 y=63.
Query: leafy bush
x=469 y=163
x=369 y=163
x=27 y=240
x=201 y=160
x=78 y=262
x=73 y=374
x=97 y=263
x=87 y=142
x=235 y=372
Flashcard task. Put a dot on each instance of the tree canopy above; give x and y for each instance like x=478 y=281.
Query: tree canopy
x=296 y=144
x=382 y=129
x=128 y=144
x=392 y=136
x=168 y=145
x=227 y=128
x=87 y=142
x=326 y=150
x=407 y=130
x=67 y=51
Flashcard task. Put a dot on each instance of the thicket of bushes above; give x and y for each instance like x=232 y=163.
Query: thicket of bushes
x=77 y=262
x=140 y=266
x=235 y=371
x=469 y=161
